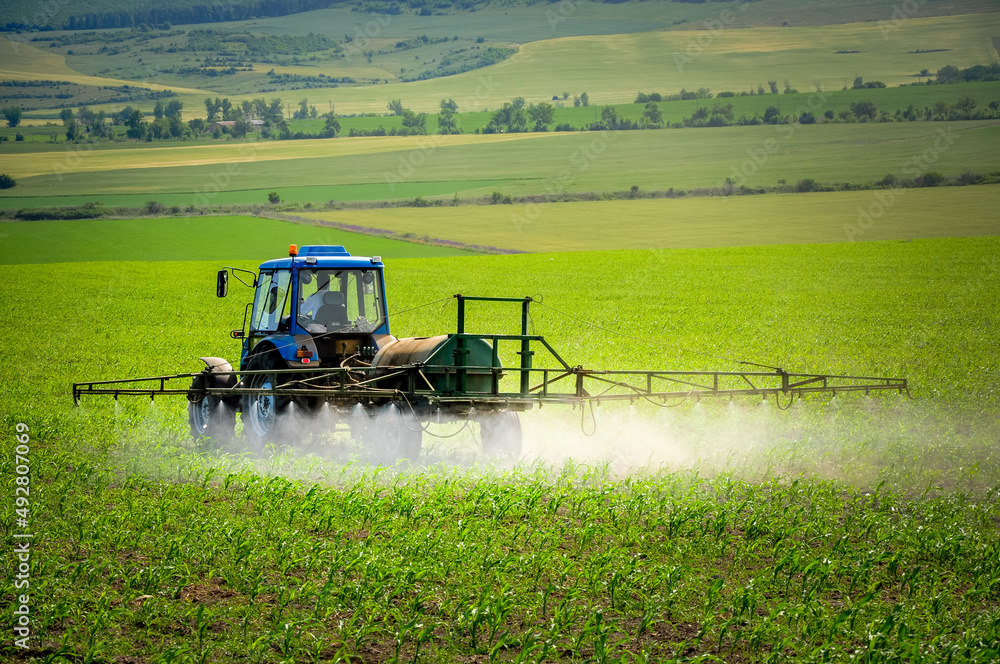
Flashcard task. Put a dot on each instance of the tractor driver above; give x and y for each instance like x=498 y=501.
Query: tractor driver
x=311 y=304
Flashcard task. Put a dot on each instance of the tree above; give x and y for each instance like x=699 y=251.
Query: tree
x=313 y=113
x=447 y=123
x=966 y=105
x=948 y=74
x=771 y=115
x=396 y=106
x=173 y=109
x=197 y=125
x=158 y=110
x=137 y=127
x=212 y=108
x=332 y=126
x=542 y=115
x=774 y=87
x=652 y=115
x=941 y=110
x=86 y=116
x=177 y=127
x=73 y=131
x=241 y=128
x=100 y=127
x=66 y=115
x=415 y=123
x=159 y=129
x=274 y=112
x=227 y=109
x=584 y=99
x=274 y=198
x=303 y=112
x=6 y=181
x=13 y=115
x=807 y=118
x=450 y=105
x=864 y=110
x=508 y=119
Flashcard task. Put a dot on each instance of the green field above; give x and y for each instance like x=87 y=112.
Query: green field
x=840 y=529
x=186 y=238
x=833 y=529
x=521 y=163
x=612 y=68
x=699 y=222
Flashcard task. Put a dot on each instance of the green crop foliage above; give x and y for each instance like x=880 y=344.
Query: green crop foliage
x=186 y=238
x=840 y=529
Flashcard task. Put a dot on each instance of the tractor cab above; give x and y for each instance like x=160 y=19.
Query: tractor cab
x=317 y=307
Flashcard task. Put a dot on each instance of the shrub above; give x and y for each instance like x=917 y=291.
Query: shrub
x=6 y=181
x=970 y=177
x=499 y=198
x=806 y=185
x=154 y=207
x=274 y=198
x=929 y=179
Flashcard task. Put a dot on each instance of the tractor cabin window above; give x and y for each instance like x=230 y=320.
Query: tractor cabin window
x=340 y=301
x=271 y=304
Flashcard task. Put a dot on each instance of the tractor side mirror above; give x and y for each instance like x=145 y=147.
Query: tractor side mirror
x=222 y=284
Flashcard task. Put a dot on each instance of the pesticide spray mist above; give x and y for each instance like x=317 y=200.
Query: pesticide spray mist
x=856 y=440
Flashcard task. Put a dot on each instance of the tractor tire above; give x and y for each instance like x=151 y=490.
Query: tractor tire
x=396 y=434
x=265 y=417
x=209 y=416
x=212 y=418
x=501 y=434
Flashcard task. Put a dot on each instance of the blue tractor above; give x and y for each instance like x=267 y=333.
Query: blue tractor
x=318 y=323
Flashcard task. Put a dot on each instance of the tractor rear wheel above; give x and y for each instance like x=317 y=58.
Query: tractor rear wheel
x=501 y=434
x=264 y=415
x=397 y=434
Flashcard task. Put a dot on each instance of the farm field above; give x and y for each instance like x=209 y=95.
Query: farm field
x=735 y=60
x=183 y=239
x=699 y=222
x=717 y=543
x=521 y=163
x=623 y=55
x=834 y=529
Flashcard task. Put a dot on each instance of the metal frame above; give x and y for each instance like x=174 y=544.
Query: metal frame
x=563 y=385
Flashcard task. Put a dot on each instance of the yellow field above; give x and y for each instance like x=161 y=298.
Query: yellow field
x=700 y=222
x=612 y=68
x=40 y=163
x=20 y=61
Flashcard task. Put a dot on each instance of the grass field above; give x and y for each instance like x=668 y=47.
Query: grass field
x=612 y=68
x=188 y=238
x=20 y=61
x=838 y=530
x=522 y=163
x=700 y=222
